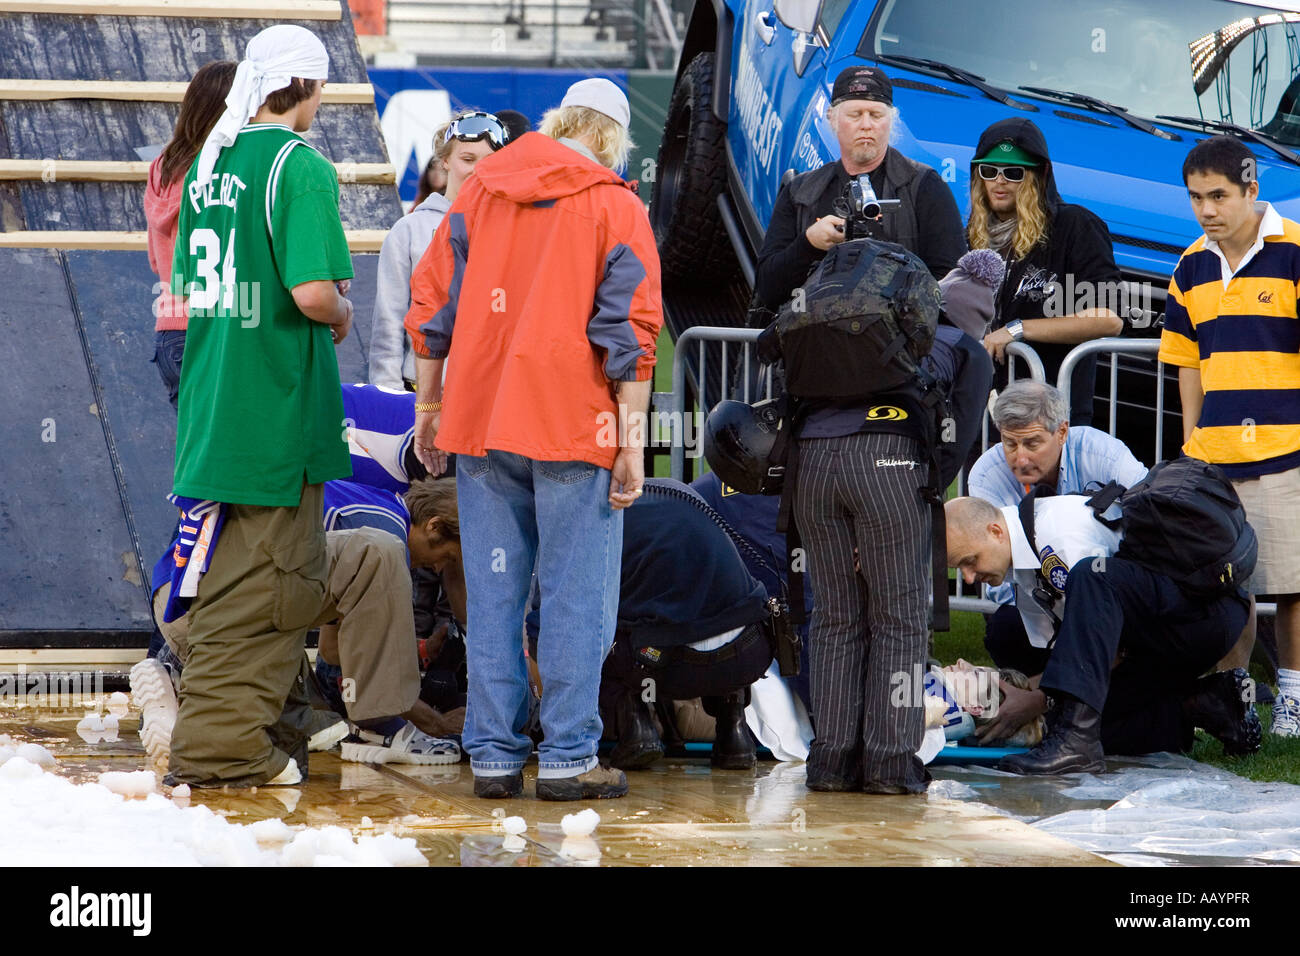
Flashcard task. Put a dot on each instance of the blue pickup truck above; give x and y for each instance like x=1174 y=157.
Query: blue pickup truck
x=1122 y=89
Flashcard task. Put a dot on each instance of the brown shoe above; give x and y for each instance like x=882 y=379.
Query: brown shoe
x=601 y=782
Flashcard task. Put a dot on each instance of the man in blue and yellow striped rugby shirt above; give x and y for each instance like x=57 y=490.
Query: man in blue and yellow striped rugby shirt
x=1231 y=327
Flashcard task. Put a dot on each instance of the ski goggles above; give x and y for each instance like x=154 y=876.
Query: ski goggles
x=473 y=127
x=1012 y=174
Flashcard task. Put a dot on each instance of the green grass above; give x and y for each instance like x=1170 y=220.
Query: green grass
x=663 y=383
x=664 y=362
x=1278 y=758
x=965 y=640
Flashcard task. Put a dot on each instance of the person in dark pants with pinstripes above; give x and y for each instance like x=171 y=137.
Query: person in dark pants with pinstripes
x=860 y=471
x=860 y=475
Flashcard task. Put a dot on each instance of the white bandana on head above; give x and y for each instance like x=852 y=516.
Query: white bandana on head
x=273 y=58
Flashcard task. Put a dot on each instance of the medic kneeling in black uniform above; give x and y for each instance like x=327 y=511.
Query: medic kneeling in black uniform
x=692 y=622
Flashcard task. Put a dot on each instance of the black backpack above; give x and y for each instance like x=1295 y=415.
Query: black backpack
x=866 y=318
x=1183 y=520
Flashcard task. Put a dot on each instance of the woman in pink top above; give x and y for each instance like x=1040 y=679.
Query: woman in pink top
x=201 y=107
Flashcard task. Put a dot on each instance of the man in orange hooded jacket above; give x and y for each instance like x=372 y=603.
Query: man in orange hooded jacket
x=553 y=321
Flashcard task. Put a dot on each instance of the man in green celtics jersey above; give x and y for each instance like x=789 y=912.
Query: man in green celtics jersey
x=261 y=254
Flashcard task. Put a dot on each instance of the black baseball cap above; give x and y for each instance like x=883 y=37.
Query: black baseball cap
x=862 y=83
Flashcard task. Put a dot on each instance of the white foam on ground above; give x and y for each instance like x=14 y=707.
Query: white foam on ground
x=49 y=821
x=580 y=824
x=581 y=849
x=271 y=831
x=118 y=704
x=36 y=754
x=514 y=842
x=514 y=825
x=93 y=729
x=139 y=783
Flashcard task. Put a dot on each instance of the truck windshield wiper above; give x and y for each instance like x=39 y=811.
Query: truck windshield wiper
x=961 y=76
x=1245 y=132
x=1083 y=99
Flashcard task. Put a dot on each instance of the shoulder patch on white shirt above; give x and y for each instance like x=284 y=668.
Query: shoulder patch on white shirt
x=1055 y=571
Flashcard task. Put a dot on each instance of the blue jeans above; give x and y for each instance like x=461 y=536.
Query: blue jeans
x=169 y=347
x=516 y=513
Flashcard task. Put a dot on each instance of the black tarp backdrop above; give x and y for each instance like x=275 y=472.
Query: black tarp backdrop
x=91 y=440
x=67 y=563
x=106 y=130
x=52 y=47
x=89 y=434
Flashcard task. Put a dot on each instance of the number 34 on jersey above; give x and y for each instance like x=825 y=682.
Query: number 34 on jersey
x=206 y=247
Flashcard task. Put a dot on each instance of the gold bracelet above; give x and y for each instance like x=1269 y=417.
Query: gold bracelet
x=428 y=406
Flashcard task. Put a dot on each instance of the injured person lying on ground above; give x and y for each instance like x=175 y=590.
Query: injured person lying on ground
x=965 y=701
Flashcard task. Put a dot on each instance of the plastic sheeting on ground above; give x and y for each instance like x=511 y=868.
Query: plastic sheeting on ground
x=1146 y=811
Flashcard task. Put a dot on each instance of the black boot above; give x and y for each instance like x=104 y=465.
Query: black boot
x=733 y=746
x=1072 y=746
x=638 y=741
x=1222 y=705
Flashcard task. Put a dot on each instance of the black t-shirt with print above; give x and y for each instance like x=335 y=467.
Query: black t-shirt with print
x=1068 y=274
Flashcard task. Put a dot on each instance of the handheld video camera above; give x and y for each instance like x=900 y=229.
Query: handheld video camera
x=860 y=207
x=783 y=637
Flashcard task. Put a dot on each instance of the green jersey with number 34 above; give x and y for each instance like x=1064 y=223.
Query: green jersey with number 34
x=260 y=407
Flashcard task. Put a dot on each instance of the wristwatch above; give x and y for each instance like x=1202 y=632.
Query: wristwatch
x=1017 y=330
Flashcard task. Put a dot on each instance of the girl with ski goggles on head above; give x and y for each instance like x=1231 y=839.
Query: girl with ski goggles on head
x=472 y=127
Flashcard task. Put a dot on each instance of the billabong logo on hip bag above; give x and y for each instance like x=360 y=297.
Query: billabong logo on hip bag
x=885 y=413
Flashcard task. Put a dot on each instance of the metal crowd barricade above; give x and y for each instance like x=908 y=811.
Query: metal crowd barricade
x=700 y=337
x=1116 y=347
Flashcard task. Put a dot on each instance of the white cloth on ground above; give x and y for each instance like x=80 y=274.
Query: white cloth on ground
x=778 y=718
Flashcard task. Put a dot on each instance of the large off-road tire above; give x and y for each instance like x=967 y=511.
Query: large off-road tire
x=690 y=175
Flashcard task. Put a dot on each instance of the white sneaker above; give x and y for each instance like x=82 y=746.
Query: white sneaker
x=327 y=736
x=288 y=777
x=408 y=745
x=155 y=698
x=1286 y=716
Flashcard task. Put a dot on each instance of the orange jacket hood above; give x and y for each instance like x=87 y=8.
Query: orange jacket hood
x=538 y=168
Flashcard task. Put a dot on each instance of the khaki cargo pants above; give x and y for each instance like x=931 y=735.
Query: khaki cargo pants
x=264 y=587
x=369 y=587
x=369 y=594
